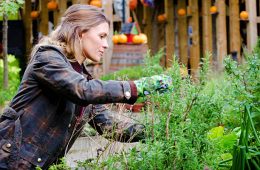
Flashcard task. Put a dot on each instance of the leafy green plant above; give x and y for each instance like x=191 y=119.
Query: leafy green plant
x=245 y=80
x=14 y=79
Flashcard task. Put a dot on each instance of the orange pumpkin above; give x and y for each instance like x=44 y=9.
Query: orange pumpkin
x=143 y=38
x=181 y=12
x=161 y=18
x=96 y=3
x=130 y=19
x=243 y=15
x=34 y=14
x=133 y=4
x=115 y=39
x=213 y=9
x=122 y=38
x=137 y=39
x=52 y=5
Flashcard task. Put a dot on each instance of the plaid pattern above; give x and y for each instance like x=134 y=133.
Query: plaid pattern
x=49 y=95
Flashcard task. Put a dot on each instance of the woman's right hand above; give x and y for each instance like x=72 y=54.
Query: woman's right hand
x=157 y=83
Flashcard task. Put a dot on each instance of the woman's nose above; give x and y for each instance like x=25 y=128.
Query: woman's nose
x=105 y=44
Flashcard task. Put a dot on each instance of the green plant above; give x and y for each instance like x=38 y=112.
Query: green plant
x=14 y=79
x=245 y=80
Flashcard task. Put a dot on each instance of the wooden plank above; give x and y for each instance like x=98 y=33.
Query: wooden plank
x=234 y=28
x=62 y=8
x=44 y=25
x=75 y=1
x=206 y=27
x=108 y=54
x=252 y=25
x=147 y=24
x=27 y=20
x=169 y=32
x=221 y=33
x=183 y=35
x=195 y=47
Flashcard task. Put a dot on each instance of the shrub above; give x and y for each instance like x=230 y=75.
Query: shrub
x=13 y=77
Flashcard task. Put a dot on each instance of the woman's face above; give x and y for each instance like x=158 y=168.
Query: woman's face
x=95 y=41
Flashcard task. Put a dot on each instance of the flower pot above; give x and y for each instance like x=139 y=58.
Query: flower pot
x=137 y=107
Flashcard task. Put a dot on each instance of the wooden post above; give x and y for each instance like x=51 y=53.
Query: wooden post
x=75 y=1
x=62 y=8
x=169 y=32
x=27 y=21
x=221 y=33
x=183 y=35
x=195 y=48
x=252 y=24
x=108 y=55
x=206 y=27
x=44 y=25
x=234 y=28
x=147 y=22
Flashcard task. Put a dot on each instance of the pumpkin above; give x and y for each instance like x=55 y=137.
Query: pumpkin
x=161 y=18
x=137 y=39
x=115 y=39
x=96 y=3
x=181 y=12
x=243 y=15
x=143 y=38
x=122 y=38
x=130 y=19
x=132 y=4
x=52 y=5
x=213 y=9
x=34 y=14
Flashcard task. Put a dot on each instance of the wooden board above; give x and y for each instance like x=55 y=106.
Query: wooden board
x=183 y=35
x=127 y=55
x=221 y=33
x=169 y=32
x=234 y=28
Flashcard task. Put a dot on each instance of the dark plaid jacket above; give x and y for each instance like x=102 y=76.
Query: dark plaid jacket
x=42 y=117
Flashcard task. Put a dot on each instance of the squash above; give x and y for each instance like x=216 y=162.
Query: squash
x=96 y=3
x=161 y=18
x=137 y=39
x=181 y=12
x=143 y=38
x=213 y=9
x=122 y=39
x=35 y=14
x=133 y=4
x=130 y=19
x=52 y=5
x=115 y=39
x=243 y=15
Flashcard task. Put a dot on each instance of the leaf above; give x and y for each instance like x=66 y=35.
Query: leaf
x=215 y=132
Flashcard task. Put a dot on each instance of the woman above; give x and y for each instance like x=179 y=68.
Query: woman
x=57 y=93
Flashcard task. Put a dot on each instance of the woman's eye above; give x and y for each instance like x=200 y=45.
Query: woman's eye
x=102 y=36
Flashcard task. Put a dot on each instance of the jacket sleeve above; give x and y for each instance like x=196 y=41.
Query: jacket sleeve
x=51 y=70
x=111 y=126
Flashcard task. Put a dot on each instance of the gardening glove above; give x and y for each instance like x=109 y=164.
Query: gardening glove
x=158 y=83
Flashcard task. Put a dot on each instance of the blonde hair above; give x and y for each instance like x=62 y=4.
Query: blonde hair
x=76 y=20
